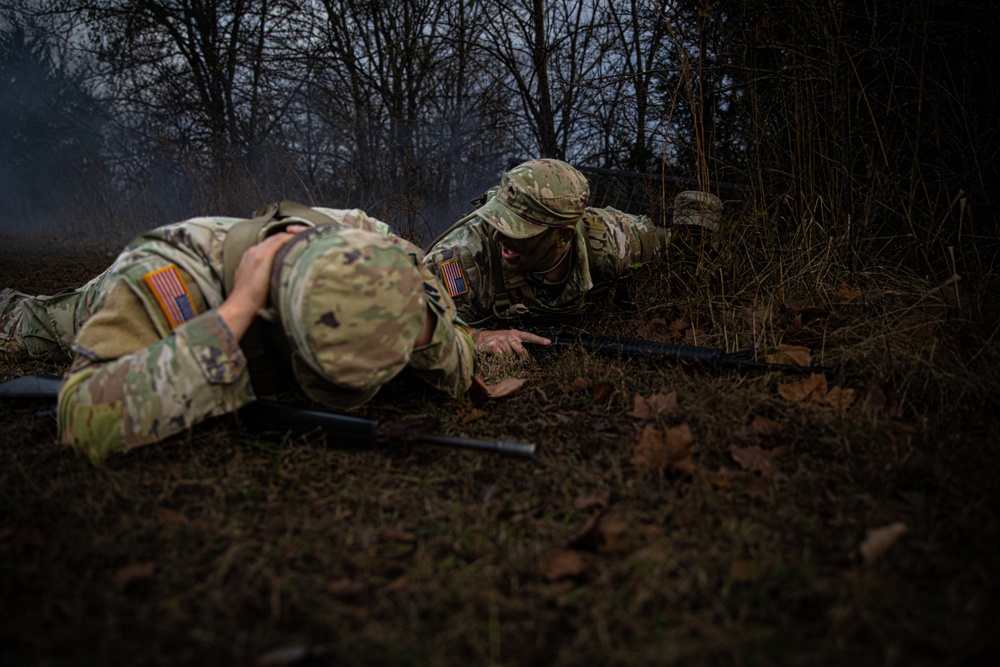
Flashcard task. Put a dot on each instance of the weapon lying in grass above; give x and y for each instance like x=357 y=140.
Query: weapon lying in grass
x=348 y=432
x=358 y=433
x=713 y=358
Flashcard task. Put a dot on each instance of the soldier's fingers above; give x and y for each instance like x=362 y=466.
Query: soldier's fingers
x=272 y=244
x=528 y=337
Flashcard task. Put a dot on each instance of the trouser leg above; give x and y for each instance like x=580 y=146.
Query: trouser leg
x=39 y=326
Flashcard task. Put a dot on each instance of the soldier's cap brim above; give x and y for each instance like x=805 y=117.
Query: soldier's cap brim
x=505 y=220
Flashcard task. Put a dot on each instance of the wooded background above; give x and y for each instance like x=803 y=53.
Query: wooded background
x=871 y=124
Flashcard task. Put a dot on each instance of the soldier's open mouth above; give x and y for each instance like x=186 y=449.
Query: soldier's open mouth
x=509 y=254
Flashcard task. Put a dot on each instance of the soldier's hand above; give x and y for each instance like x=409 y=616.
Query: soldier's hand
x=252 y=281
x=508 y=341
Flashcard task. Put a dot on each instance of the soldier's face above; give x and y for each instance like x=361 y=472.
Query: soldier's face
x=536 y=253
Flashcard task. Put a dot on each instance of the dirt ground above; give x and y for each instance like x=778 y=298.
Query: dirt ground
x=673 y=516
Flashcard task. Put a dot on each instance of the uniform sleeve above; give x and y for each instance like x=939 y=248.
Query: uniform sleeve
x=620 y=240
x=461 y=261
x=358 y=219
x=109 y=405
x=447 y=362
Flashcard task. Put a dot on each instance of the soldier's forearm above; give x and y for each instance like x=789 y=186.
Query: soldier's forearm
x=196 y=373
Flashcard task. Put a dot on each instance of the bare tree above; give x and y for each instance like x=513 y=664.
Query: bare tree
x=197 y=77
x=542 y=55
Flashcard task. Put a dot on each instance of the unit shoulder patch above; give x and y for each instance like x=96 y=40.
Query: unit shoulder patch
x=454 y=277
x=172 y=294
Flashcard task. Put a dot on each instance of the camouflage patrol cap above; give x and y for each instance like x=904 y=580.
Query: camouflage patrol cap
x=693 y=207
x=352 y=304
x=535 y=196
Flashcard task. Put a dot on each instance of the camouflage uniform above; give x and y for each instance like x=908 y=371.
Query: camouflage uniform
x=531 y=198
x=152 y=357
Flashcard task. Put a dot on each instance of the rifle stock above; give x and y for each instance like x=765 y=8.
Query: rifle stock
x=714 y=358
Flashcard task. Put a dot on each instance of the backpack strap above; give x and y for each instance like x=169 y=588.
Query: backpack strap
x=246 y=233
x=239 y=239
x=257 y=344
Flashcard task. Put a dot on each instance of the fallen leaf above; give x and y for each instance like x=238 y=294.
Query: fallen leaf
x=563 y=564
x=472 y=415
x=291 y=655
x=845 y=294
x=599 y=500
x=578 y=384
x=611 y=535
x=603 y=393
x=490 y=492
x=803 y=391
x=478 y=391
x=656 y=450
x=505 y=387
x=795 y=328
x=915 y=329
x=764 y=426
x=753 y=459
x=680 y=324
x=134 y=573
x=796 y=355
x=722 y=478
x=796 y=305
x=657 y=405
x=839 y=398
x=654 y=329
x=878 y=540
x=651 y=450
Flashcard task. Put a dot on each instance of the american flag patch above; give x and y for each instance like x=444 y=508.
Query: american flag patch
x=454 y=278
x=169 y=289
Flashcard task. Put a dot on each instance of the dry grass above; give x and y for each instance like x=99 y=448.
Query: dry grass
x=221 y=547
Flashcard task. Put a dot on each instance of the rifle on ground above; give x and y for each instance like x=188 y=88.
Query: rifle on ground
x=359 y=433
x=713 y=358
x=349 y=432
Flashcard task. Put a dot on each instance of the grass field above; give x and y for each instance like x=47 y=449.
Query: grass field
x=673 y=516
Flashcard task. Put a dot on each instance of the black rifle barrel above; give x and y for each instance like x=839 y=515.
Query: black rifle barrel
x=631 y=347
x=359 y=433
x=351 y=432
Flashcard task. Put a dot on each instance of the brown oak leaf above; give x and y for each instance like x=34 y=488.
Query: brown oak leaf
x=563 y=564
x=796 y=355
x=506 y=387
x=657 y=405
x=753 y=459
x=805 y=389
x=134 y=573
x=764 y=426
x=845 y=294
x=878 y=540
x=657 y=450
